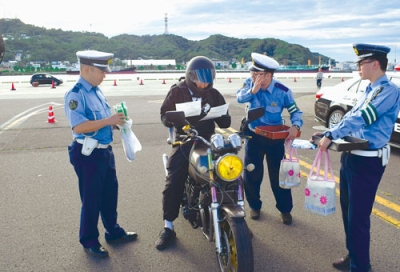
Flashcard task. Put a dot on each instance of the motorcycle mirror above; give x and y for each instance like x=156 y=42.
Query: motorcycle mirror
x=255 y=113
x=252 y=114
x=176 y=117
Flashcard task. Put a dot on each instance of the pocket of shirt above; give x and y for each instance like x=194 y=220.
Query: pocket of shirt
x=274 y=114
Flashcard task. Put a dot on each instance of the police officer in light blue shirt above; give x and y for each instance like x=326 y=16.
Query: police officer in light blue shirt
x=262 y=90
x=372 y=118
x=91 y=154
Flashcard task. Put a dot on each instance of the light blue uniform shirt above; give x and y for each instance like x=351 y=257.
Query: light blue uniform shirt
x=273 y=99
x=90 y=105
x=374 y=115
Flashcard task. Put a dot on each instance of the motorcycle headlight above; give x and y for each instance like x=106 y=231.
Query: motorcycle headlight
x=229 y=167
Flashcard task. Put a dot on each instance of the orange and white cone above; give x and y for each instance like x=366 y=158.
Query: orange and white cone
x=295 y=79
x=141 y=82
x=12 y=87
x=50 y=116
x=163 y=81
x=52 y=85
x=115 y=82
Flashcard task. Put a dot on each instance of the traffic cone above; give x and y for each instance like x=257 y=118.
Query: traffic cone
x=141 y=82
x=229 y=80
x=295 y=79
x=115 y=82
x=50 y=116
x=342 y=78
x=12 y=87
x=163 y=81
x=52 y=85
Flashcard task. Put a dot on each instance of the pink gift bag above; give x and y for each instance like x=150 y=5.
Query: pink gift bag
x=320 y=195
x=289 y=171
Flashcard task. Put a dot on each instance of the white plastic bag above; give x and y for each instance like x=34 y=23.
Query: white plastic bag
x=130 y=142
x=303 y=144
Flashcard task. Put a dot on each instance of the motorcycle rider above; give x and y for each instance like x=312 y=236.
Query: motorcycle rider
x=197 y=86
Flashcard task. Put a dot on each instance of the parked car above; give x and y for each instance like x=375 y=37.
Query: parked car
x=333 y=102
x=43 y=78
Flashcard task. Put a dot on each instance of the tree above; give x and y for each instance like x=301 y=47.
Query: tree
x=2 y=48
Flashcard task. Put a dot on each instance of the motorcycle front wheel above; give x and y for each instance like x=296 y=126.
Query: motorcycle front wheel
x=237 y=249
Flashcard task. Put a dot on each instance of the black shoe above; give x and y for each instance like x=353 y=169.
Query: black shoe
x=97 y=251
x=254 y=214
x=127 y=237
x=342 y=263
x=165 y=238
x=286 y=218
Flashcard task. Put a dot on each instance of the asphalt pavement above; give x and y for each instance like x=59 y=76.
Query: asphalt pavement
x=41 y=207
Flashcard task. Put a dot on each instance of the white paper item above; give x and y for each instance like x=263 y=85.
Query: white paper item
x=130 y=142
x=216 y=112
x=189 y=108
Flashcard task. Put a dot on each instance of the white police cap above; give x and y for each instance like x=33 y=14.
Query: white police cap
x=263 y=63
x=97 y=59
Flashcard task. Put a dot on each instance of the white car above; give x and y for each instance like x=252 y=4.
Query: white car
x=333 y=102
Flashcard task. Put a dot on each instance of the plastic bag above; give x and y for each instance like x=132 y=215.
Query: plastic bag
x=130 y=142
x=303 y=144
x=289 y=171
x=320 y=195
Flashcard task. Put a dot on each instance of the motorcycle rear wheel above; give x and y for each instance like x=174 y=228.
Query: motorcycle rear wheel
x=237 y=248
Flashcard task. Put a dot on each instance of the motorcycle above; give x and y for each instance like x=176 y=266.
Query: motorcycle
x=213 y=197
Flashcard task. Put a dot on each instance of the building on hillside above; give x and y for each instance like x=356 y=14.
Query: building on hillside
x=151 y=63
x=221 y=65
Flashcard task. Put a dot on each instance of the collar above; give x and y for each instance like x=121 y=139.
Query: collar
x=380 y=81
x=271 y=86
x=86 y=85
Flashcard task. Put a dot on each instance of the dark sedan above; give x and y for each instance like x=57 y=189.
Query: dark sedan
x=43 y=78
x=332 y=103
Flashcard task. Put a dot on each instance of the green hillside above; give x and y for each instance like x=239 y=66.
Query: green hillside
x=41 y=44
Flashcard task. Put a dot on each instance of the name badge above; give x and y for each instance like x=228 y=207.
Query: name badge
x=274 y=104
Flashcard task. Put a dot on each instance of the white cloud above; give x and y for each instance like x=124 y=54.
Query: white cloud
x=327 y=27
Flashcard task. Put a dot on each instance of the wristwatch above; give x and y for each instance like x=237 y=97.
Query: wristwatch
x=328 y=135
x=296 y=126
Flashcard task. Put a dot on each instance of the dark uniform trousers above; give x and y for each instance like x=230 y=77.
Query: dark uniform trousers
x=98 y=188
x=177 y=166
x=359 y=180
x=257 y=148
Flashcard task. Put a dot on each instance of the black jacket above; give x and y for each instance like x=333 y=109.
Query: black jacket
x=179 y=93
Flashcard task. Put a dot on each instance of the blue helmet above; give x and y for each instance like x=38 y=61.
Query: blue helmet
x=200 y=69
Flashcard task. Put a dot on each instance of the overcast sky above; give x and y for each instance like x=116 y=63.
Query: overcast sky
x=327 y=27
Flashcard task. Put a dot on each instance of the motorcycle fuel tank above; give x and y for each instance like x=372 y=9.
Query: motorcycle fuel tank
x=198 y=167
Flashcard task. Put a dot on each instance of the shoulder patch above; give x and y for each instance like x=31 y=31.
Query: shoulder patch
x=73 y=104
x=76 y=88
x=282 y=87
